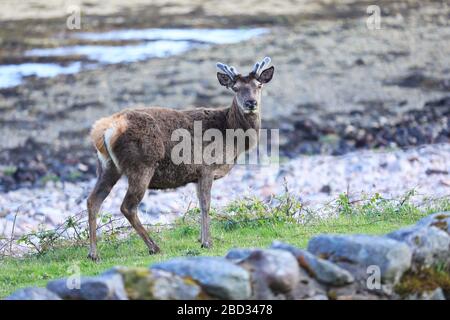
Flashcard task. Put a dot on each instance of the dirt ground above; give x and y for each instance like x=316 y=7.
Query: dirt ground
x=339 y=86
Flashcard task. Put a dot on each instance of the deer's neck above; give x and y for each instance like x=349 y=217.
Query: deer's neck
x=237 y=119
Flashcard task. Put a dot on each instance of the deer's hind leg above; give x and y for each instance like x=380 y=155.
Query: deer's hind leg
x=138 y=183
x=107 y=178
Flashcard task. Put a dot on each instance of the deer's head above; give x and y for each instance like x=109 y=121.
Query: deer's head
x=247 y=88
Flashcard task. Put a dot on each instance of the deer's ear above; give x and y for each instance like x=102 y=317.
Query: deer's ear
x=266 y=75
x=224 y=80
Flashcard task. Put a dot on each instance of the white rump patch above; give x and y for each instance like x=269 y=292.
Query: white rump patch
x=109 y=133
x=103 y=160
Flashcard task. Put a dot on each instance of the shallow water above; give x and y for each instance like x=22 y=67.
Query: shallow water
x=119 y=54
x=156 y=43
x=12 y=75
x=200 y=35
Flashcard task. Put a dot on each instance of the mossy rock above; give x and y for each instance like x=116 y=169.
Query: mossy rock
x=439 y=220
x=424 y=281
x=146 y=284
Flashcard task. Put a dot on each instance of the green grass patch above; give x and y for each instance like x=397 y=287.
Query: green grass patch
x=250 y=223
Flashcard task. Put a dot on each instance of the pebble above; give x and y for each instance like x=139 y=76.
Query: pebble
x=392 y=174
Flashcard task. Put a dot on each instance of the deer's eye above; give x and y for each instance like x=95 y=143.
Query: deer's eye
x=234 y=89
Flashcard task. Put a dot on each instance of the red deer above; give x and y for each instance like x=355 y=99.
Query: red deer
x=138 y=143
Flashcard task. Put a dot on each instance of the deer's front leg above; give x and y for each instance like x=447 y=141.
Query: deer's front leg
x=204 y=185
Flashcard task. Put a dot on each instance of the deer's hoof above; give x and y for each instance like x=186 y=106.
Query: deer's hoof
x=154 y=250
x=94 y=257
x=207 y=244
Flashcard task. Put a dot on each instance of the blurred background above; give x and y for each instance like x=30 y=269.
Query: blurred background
x=361 y=94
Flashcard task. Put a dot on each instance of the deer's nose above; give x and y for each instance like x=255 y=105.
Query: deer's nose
x=251 y=104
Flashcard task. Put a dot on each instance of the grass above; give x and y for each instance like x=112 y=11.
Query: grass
x=250 y=223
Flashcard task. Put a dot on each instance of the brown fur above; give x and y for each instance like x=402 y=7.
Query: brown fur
x=148 y=140
x=144 y=136
x=142 y=145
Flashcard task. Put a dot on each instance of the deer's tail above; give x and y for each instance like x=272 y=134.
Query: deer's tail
x=104 y=135
x=109 y=134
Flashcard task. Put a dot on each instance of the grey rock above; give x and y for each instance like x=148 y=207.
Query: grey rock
x=168 y=286
x=238 y=254
x=439 y=220
x=33 y=294
x=146 y=284
x=437 y=294
x=307 y=287
x=343 y=291
x=322 y=270
x=430 y=245
x=218 y=277
x=275 y=273
x=361 y=296
x=103 y=287
x=61 y=288
x=357 y=252
x=359 y=291
x=318 y=297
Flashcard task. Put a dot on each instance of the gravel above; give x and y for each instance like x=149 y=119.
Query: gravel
x=315 y=180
